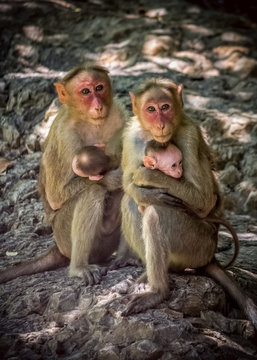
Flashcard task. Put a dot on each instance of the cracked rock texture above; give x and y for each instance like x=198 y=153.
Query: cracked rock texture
x=210 y=47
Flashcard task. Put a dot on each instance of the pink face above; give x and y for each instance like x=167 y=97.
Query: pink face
x=169 y=161
x=157 y=114
x=91 y=94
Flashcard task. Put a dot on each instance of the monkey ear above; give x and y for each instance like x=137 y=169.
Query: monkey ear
x=150 y=162
x=180 y=97
x=62 y=93
x=133 y=101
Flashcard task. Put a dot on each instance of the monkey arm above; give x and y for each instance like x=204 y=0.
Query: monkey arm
x=197 y=188
x=60 y=183
x=142 y=195
x=173 y=189
x=112 y=180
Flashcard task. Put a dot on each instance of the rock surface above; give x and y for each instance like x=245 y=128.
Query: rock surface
x=213 y=53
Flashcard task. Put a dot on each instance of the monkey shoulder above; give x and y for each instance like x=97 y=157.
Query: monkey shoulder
x=133 y=138
x=188 y=137
x=61 y=143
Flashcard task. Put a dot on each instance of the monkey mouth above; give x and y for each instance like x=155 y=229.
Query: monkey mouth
x=99 y=119
x=162 y=138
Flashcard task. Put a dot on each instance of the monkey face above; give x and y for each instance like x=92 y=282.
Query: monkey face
x=156 y=111
x=170 y=163
x=90 y=95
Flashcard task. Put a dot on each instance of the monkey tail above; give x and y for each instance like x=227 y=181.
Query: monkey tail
x=218 y=220
x=52 y=260
x=244 y=302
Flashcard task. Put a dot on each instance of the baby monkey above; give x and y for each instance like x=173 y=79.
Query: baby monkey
x=92 y=162
x=168 y=159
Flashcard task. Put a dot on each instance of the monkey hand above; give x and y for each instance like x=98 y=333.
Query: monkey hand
x=144 y=176
x=175 y=202
x=112 y=180
x=145 y=196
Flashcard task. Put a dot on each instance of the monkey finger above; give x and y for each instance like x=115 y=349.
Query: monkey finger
x=172 y=201
x=134 y=306
x=92 y=275
x=142 y=302
x=88 y=278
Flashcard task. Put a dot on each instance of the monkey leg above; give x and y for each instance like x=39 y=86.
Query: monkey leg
x=156 y=255
x=125 y=256
x=53 y=259
x=85 y=231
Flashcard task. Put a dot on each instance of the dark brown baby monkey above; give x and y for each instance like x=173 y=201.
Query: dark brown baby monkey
x=92 y=162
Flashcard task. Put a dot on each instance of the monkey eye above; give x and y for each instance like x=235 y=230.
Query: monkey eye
x=99 y=88
x=165 y=107
x=180 y=163
x=151 y=108
x=173 y=166
x=85 y=91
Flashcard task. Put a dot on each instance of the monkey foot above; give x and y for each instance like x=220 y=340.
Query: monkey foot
x=91 y=274
x=142 y=302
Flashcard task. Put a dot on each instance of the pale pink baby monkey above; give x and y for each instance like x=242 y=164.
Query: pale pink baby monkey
x=169 y=161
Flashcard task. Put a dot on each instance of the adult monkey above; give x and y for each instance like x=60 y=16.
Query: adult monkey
x=166 y=237
x=85 y=215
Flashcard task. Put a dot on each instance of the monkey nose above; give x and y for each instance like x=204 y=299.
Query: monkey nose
x=99 y=108
x=161 y=125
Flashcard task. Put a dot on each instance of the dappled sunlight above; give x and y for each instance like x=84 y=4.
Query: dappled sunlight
x=34 y=336
x=212 y=54
x=196 y=101
x=66 y=4
x=155 y=44
x=45 y=73
x=235 y=124
x=198 y=30
x=24 y=52
x=34 y=33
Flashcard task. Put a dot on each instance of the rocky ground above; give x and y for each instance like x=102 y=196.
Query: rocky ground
x=213 y=53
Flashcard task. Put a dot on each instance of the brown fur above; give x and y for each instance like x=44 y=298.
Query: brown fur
x=85 y=215
x=166 y=238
